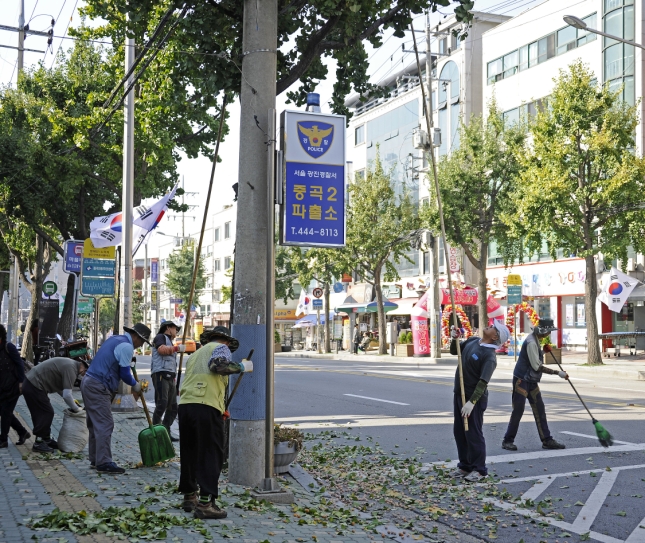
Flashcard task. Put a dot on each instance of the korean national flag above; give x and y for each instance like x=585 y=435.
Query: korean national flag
x=616 y=289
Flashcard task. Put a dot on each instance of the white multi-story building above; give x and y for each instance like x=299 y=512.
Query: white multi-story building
x=521 y=58
x=387 y=125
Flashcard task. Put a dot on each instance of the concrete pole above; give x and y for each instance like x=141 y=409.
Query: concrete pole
x=145 y=288
x=251 y=314
x=21 y=38
x=124 y=401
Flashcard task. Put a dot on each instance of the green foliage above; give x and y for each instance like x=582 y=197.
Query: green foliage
x=581 y=186
x=476 y=181
x=403 y=337
x=381 y=228
x=107 y=310
x=227 y=290
x=289 y=434
x=129 y=522
x=276 y=337
x=137 y=301
x=197 y=55
x=180 y=275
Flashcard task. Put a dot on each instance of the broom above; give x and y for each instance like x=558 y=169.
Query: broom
x=603 y=435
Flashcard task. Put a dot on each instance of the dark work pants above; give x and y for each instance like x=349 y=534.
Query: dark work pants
x=9 y=420
x=523 y=390
x=471 y=445
x=165 y=399
x=356 y=348
x=40 y=409
x=201 y=448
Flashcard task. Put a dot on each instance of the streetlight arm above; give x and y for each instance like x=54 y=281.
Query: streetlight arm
x=569 y=19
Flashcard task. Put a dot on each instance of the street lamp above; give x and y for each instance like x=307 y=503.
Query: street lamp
x=578 y=23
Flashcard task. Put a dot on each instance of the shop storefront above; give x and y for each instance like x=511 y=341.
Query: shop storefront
x=554 y=290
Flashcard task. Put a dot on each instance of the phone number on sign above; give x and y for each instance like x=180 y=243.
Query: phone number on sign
x=310 y=231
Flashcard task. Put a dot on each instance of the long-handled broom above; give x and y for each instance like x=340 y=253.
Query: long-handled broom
x=603 y=435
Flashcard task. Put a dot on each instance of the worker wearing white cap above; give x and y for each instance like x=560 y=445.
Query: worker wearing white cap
x=479 y=362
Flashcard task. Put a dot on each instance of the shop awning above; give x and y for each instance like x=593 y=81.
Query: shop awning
x=388 y=306
x=405 y=306
x=350 y=306
x=312 y=319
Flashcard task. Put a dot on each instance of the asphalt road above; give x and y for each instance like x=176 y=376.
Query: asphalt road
x=597 y=493
x=407 y=409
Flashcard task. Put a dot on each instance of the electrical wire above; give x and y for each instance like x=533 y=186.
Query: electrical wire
x=64 y=33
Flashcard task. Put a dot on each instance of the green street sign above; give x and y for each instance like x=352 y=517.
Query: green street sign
x=85 y=305
x=49 y=288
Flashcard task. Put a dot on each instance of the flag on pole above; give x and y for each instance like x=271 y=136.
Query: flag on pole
x=107 y=231
x=617 y=289
x=304 y=303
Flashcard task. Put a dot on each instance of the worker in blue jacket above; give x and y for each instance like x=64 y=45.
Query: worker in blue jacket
x=110 y=366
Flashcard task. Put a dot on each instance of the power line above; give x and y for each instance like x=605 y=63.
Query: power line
x=64 y=33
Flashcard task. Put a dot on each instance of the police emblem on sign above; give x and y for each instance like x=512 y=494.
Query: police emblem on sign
x=315 y=137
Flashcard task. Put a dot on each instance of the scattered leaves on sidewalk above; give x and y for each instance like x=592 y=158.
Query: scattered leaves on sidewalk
x=131 y=522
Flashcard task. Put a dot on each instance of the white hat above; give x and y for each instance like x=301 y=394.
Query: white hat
x=502 y=330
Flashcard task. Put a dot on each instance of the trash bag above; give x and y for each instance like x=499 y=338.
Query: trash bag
x=73 y=435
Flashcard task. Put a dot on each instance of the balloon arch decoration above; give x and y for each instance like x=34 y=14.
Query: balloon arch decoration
x=446 y=322
x=514 y=309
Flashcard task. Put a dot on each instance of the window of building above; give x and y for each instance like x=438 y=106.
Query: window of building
x=217 y=296
x=359 y=135
x=227 y=230
x=449 y=107
x=579 y=314
x=443 y=46
x=227 y=262
x=567 y=39
x=216 y=234
x=360 y=174
x=511 y=63
x=584 y=36
x=455 y=42
x=216 y=264
x=618 y=62
x=546 y=48
x=209 y=250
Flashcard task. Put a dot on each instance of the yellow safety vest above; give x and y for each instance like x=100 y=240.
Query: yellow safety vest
x=199 y=384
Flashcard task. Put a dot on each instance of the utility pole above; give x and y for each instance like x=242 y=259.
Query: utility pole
x=252 y=310
x=21 y=38
x=146 y=290
x=434 y=303
x=124 y=401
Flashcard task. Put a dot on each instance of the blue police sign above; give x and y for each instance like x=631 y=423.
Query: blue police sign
x=313 y=212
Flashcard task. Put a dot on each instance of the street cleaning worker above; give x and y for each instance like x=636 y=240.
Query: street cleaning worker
x=201 y=424
x=12 y=375
x=56 y=375
x=164 y=371
x=478 y=360
x=99 y=386
x=526 y=376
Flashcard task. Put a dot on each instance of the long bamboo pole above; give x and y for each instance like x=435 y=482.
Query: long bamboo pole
x=440 y=209
x=201 y=235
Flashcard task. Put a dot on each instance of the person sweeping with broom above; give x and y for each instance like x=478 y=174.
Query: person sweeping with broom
x=201 y=425
x=526 y=377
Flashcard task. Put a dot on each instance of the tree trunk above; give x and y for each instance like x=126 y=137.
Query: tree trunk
x=327 y=323
x=66 y=324
x=483 y=295
x=41 y=266
x=382 y=343
x=591 y=293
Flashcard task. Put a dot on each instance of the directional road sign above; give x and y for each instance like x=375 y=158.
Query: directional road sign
x=317 y=303
x=98 y=267
x=514 y=294
x=97 y=286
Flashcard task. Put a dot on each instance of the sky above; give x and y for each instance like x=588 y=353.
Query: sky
x=196 y=172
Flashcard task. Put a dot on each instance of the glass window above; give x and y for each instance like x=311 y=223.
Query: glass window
x=524 y=57
x=533 y=54
x=579 y=315
x=359 y=135
x=360 y=174
x=583 y=35
x=455 y=43
x=216 y=265
x=510 y=63
x=566 y=39
x=614 y=61
x=443 y=45
x=495 y=70
x=227 y=230
x=454 y=125
x=541 y=50
x=628 y=93
x=614 y=26
x=217 y=295
x=443 y=124
x=216 y=235
x=628 y=23
x=550 y=46
x=227 y=262
x=511 y=117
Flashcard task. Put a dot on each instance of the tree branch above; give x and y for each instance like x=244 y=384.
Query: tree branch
x=48 y=239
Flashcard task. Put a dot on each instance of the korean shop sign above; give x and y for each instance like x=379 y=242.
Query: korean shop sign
x=313 y=212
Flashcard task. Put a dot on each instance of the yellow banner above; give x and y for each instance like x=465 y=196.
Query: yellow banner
x=284 y=314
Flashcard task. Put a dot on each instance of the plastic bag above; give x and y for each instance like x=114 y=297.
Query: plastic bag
x=73 y=435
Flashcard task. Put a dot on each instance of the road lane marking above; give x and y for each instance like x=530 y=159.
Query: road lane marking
x=375 y=399
x=591 y=508
x=595 y=437
x=547 y=453
x=537 y=489
x=638 y=535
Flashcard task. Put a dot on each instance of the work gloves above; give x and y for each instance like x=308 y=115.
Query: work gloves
x=454 y=333
x=180 y=348
x=547 y=348
x=137 y=387
x=563 y=375
x=467 y=409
